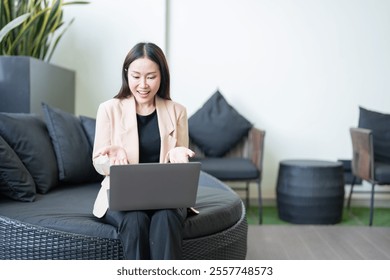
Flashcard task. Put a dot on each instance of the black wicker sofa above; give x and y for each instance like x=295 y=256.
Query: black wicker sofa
x=48 y=186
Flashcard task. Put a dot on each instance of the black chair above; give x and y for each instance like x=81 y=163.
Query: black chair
x=244 y=163
x=228 y=145
x=366 y=167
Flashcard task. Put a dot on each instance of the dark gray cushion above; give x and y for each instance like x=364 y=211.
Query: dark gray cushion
x=28 y=137
x=217 y=127
x=379 y=123
x=382 y=173
x=229 y=168
x=218 y=210
x=69 y=209
x=71 y=146
x=89 y=125
x=15 y=180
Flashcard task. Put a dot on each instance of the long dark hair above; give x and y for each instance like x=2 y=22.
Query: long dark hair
x=154 y=53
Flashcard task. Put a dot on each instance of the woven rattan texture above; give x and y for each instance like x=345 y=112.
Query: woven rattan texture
x=228 y=244
x=21 y=241
x=26 y=242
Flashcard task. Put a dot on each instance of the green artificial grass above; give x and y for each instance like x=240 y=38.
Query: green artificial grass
x=356 y=216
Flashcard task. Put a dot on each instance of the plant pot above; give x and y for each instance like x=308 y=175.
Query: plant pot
x=26 y=82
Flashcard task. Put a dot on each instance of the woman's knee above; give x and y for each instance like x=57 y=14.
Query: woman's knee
x=125 y=219
x=169 y=215
x=135 y=219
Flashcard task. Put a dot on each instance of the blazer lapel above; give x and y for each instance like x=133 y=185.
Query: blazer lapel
x=129 y=135
x=167 y=128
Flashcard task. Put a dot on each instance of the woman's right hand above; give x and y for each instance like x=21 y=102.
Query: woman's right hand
x=116 y=154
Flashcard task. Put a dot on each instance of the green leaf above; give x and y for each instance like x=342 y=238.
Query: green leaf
x=27 y=26
x=12 y=24
x=37 y=35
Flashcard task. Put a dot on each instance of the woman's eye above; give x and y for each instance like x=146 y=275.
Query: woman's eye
x=135 y=77
x=151 y=77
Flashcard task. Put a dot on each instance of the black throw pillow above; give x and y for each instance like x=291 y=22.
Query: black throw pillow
x=27 y=135
x=217 y=127
x=71 y=146
x=15 y=180
x=379 y=124
x=89 y=125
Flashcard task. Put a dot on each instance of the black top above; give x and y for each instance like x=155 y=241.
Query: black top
x=149 y=138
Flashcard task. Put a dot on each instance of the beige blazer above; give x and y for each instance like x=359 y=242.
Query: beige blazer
x=116 y=124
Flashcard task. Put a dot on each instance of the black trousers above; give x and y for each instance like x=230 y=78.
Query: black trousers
x=152 y=234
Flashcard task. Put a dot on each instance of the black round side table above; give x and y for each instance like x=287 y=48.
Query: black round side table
x=310 y=191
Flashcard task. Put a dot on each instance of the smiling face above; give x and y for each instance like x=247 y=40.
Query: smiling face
x=144 y=79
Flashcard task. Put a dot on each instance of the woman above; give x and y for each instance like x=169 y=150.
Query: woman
x=142 y=124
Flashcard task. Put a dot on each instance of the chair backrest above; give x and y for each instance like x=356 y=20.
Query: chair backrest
x=251 y=146
x=363 y=153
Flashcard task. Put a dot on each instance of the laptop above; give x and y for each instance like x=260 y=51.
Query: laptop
x=147 y=186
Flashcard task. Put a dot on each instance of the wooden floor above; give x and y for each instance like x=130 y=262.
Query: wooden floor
x=312 y=242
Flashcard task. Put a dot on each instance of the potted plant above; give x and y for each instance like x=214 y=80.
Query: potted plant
x=30 y=31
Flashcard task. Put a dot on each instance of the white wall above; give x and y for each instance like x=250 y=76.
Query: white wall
x=298 y=69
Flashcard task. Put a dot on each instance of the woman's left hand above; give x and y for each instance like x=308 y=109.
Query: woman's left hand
x=180 y=155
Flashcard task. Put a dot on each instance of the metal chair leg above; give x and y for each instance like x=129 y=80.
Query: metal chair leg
x=260 y=204
x=247 y=194
x=372 y=203
x=350 y=192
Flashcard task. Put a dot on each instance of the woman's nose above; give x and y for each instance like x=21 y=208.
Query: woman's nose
x=143 y=82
